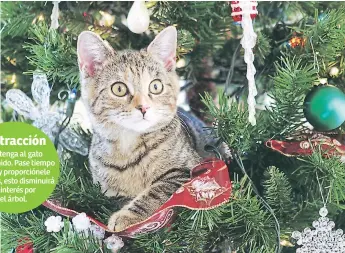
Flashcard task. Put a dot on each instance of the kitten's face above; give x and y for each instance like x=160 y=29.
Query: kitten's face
x=131 y=89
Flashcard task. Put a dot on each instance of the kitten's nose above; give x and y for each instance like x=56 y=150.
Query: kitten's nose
x=142 y=108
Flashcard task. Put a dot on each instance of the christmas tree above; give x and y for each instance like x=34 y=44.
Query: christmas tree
x=283 y=169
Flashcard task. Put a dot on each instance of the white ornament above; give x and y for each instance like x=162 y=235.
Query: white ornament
x=114 y=243
x=138 y=18
x=248 y=42
x=81 y=222
x=321 y=240
x=54 y=224
x=43 y=118
x=55 y=16
x=97 y=231
x=334 y=72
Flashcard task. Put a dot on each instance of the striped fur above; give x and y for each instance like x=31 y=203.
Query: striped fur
x=145 y=157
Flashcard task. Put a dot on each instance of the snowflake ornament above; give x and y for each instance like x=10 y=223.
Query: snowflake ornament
x=81 y=222
x=43 y=118
x=321 y=240
x=54 y=224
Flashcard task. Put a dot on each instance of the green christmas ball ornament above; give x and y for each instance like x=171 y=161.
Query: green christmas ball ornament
x=324 y=107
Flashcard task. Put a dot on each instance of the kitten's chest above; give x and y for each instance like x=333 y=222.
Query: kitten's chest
x=130 y=182
x=127 y=173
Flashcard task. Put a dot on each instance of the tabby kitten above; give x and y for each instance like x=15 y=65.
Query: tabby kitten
x=139 y=148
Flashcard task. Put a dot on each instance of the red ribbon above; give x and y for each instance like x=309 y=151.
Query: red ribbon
x=209 y=189
x=329 y=146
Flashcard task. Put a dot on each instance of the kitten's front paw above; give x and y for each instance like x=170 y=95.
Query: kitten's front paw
x=122 y=219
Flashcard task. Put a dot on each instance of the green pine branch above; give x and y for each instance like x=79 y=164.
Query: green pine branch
x=292 y=81
x=247 y=222
x=326 y=37
x=17 y=17
x=263 y=48
x=16 y=227
x=278 y=193
x=230 y=122
x=328 y=171
x=54 y=54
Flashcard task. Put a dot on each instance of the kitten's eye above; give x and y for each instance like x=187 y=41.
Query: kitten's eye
x=156 y=87
x=119 y=89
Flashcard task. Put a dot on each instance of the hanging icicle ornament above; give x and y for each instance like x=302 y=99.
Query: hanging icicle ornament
x=244 y=12
x=323 y=238
x=43 y=117
x=138 y=18
x=55 y=16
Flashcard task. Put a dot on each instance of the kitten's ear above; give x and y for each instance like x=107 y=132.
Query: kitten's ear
x=164 y=47
x=92 y=52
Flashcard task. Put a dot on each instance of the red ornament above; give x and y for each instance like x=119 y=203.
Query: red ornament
x=25 y=246
x=209 y=188
x=237 y=10
x=85 y=14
